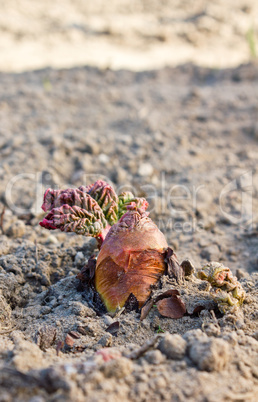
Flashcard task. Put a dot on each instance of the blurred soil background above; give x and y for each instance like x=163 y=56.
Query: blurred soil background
x=139 y=35
x=156 y=96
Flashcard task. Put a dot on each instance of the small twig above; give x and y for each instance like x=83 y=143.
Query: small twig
x=2 y=219
x=119 y=312
x=213 y=316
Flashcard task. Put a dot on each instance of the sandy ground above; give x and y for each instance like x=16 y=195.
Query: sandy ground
x=185 y=137
x=169 y=134
x=127 y=34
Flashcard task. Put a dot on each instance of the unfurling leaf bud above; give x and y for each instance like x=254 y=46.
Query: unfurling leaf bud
x=128 y=199
x=226 y=289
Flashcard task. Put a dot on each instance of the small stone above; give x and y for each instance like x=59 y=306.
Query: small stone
x=17 y=229
x=173 y=346
x=52 y=239
x=103 y=158
x=108 y=320
x=106 y=340
x=154 y=357
x=145 y=169
x=79 y=259
x=209 y=354
x=4 y=247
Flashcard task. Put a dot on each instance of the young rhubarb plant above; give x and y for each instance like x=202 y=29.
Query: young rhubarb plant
x=132 y=254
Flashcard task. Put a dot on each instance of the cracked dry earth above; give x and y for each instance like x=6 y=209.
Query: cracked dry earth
x=153 y=130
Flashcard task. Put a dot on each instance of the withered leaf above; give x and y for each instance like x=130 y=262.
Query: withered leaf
x=88 y=271
x=131 y=303
x=70 y=338
x=168 y=293
x=146 y=309
x=113 y=328
x=74 y=334
x=171 y=307
x=197 y=311
x=188 y=267
x=174 y=269
x=69 y=341
x=148 y=305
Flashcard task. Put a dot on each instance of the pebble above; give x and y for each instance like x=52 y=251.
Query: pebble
x=103 y=158
x=4 y=247
x=145 y=169
x=79 y=259
x=52 y=239
x=209 y=355
x=173 y=346
x=106 y=340
x=108 y=320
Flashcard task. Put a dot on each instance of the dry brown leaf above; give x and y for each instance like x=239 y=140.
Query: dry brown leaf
x=172 y=307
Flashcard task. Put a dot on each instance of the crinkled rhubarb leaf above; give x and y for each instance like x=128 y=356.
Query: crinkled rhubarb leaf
x=107 y=199
x=88 y=221
x=70 y=196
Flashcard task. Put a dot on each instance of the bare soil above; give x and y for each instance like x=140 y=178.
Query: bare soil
x=186 y=126
x=185 y=136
